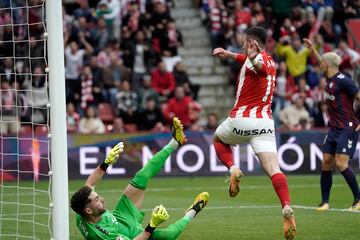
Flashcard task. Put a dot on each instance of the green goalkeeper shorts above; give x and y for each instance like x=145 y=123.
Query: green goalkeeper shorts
x=129 y=216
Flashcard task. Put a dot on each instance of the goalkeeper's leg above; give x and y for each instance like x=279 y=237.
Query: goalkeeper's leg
x=174 y=230
x=135 y=190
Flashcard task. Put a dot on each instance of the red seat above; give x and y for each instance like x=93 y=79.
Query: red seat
x=106 y=113
x=26 y=130
x=41 y=131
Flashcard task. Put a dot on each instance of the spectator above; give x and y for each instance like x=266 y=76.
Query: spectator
x=212 y=122
x=218 y=19
x=303 y=90
x=182 y=79
x=9 y=121
x=349 y=58
x=295 y=57
x=151 y=116
x=126 y=103
x=344 y=9
x=103 y=57
x=98 y=83
x=322 y=118
x=90 y=123
x=162 y=81
x=183 y=107
x=235 y=46
x=72 y=118
x=81 y=26
x=84 y=10
x=7 y=71
x=159 y=15
x=146 y=91
x=87 y=83
x=287 y=30
x=38 y=96
x=242 y=16
x=134 y=19
x=318 y=93
x=284 y=88
x=143 y=59
x=258 y=16
x=118 y=126
x=171 y=40
x=74 y=58
x=110 y=10
x=295 y=117
x=100 y=34
x=113 y=76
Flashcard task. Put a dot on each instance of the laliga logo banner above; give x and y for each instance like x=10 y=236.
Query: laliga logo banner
x=298 y=153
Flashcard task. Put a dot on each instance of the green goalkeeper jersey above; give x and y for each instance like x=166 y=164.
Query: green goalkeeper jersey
x=108 y=228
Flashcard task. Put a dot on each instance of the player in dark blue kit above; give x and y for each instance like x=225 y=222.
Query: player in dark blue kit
x=340 y=142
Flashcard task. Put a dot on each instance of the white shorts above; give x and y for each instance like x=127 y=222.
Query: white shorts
x=258 y=132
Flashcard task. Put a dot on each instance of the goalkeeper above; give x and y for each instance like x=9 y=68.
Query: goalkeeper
x=124 y=222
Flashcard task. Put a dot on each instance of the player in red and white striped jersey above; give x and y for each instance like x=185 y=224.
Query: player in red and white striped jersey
x=250 y=120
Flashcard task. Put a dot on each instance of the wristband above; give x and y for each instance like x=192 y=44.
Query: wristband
x=104 y=166
x=149 y=229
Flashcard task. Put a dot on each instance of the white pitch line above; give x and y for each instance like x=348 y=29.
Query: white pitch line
x=213 y=208
x=165 y=189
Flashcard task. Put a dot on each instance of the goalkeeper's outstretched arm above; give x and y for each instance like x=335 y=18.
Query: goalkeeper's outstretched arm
x=99 y=172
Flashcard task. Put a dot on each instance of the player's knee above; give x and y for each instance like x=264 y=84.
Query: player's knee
x=341 y=165
x=327 y=164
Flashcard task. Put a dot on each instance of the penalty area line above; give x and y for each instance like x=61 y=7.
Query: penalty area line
x=214 y=208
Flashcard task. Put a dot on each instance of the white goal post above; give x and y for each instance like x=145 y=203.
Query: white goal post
x=34 y=198
x=59 y=161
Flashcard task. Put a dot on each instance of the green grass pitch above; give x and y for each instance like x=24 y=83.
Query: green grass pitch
x=254 y=214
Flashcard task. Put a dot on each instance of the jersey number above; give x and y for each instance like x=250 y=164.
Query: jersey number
x=268 y=88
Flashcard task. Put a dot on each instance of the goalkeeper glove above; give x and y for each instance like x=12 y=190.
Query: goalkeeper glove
x=158 y=216
x=113 y=156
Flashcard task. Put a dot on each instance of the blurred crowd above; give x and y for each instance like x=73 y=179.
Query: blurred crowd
x=124 y=73
x=298 y=101
x=122 y=68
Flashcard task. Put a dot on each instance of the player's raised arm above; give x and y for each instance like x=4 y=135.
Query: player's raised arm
x=99 y=172
x=222 y=53
x=310 y=45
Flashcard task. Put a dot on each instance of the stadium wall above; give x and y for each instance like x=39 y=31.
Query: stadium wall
x=299 y=153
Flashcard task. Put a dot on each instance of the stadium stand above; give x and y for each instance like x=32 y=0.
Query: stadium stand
x=109 y=43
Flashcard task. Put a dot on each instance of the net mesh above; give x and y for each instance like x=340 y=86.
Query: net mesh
x=25 y=169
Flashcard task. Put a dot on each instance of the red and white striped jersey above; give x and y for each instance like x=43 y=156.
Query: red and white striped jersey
x=254 y=88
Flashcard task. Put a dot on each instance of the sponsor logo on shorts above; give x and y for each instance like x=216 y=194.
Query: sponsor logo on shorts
x=350 y=143
x=252 y=132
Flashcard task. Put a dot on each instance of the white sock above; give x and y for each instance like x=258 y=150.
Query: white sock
x=174 y=143
x=190 y=214
x=232 y=168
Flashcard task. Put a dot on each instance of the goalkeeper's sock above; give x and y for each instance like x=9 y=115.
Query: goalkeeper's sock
x=191 y=214
x=153 y=167
x=281 y=187
x=172 y=231
x=224 y=153
x=174 y=143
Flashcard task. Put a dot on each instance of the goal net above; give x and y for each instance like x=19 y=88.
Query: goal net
x=25 y=166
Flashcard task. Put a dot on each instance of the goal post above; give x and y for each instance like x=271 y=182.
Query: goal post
x=60 y=195
x=34 y=200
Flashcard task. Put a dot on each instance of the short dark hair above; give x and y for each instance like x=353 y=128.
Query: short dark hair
x=257 y=33
x=79 y=200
